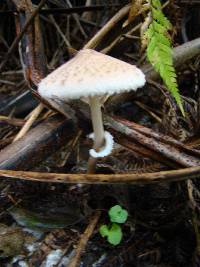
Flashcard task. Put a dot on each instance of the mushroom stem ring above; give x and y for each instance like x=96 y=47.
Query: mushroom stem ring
x=107 y=148
x=103 y=141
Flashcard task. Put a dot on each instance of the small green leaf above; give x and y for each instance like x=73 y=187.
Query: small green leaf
x=104 y=230
x=117 y=214
x=115 y=234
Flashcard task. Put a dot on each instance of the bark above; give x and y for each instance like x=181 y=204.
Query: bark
x=36 y=145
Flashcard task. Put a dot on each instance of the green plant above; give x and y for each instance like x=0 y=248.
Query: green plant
x=113 y=231
x=159 y=49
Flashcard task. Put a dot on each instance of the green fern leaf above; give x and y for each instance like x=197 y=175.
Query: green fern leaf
x=160 y=18
x=159 y=50
x=156 y=3
x=158 y=27
x=162 y=39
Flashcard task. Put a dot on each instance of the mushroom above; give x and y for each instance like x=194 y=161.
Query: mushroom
x=92 y=75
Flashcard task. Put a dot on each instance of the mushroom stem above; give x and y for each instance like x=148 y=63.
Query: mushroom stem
x=97 y=122
x=98 y=128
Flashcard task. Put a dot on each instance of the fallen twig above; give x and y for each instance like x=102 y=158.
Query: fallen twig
x=171 y=152
x=127 y=178
x=36 y=112
x=160 y=137
x=107 y=27
x=84 y=239
x=67 y=11
x=19 y=36
x=12 y=121
x=37 y=144
x=135 y=147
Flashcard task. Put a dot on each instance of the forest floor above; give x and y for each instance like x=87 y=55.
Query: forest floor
x=51 y=208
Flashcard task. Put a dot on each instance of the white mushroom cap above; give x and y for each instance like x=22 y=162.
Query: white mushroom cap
x=91 y=73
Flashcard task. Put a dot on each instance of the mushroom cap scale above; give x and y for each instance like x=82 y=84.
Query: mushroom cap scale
x=91 y=73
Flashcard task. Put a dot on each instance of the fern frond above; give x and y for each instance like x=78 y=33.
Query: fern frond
x=160 y=18
x=159 y=50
